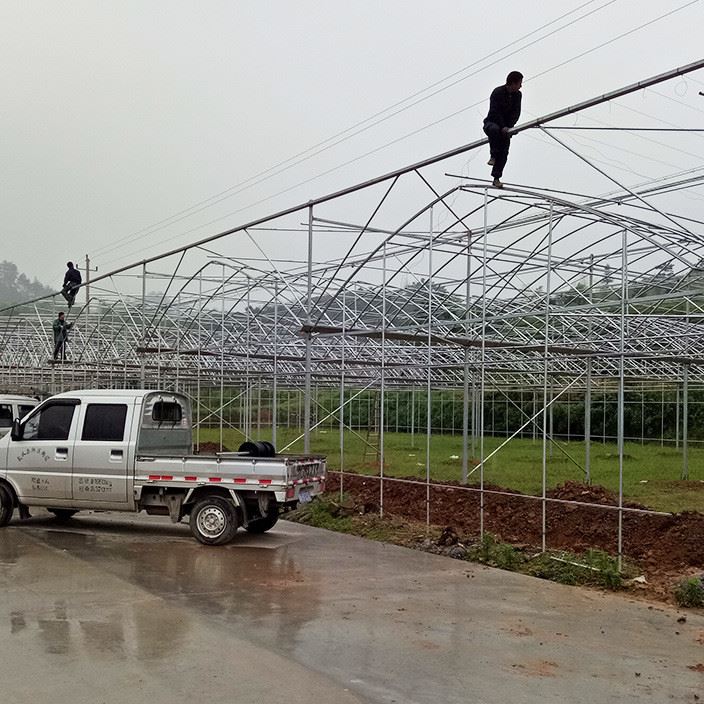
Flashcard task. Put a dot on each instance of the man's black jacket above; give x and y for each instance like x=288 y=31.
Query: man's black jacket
x=504 y=107
x=73 y=276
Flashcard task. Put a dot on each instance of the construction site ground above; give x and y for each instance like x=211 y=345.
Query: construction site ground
x=663 y=548
x=116 y=608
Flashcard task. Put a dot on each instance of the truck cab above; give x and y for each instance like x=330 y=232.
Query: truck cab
x=80 y=447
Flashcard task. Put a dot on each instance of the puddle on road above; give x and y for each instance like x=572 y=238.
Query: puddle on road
x=141 y=631
x=256 y=585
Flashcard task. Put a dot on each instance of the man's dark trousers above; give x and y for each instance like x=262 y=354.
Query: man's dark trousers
x=59 y=348
x=498 y=147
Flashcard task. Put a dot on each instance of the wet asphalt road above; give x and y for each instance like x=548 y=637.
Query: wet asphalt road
x=115 y=608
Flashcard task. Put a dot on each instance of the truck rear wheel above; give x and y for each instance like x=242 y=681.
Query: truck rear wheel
x=262 y=525
x=7 y=506
x=213 y=521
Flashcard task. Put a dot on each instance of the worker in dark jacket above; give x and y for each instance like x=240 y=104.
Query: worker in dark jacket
x=72 y=282
x=504 y=111
x=61 y=328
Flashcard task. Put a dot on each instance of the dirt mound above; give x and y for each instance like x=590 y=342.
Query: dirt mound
x=575 y=491
x=662 y=543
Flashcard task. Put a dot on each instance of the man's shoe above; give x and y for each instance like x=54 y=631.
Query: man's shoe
x=491 y=161
x=497 y=183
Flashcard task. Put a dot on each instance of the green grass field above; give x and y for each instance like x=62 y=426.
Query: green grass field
x=651 y=472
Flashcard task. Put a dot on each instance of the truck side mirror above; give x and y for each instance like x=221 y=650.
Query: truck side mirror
x=16 y=432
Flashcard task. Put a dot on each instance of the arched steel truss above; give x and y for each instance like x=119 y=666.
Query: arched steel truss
x=468 y=288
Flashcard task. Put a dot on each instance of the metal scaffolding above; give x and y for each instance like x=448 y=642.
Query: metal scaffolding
x=463 y=287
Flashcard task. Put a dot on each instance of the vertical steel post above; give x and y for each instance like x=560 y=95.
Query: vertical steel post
x=247 y=379
x=588 y=424
x=545 y=385
x=382 y=382
x=241 y=414
x=642 y=414
x=551 y=416
x=685 y=416
x=309 y=340
x=588 y=390
x=257 y=412
x=222 y=357
x=87 y=285
x=158 y=357
x=200 y=361
x=677 y=417
x=413 y=418
x=342 y=396
x=482 y=383
x=429 y=407
x=275 y=381
x=662 y=415
x=465 y=386
x=98 y=326
x=621 y=388
x=474 y=420
x=144 y=324
x=178 y=346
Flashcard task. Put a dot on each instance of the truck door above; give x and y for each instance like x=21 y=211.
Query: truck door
x=101 y=453
x=41 y=462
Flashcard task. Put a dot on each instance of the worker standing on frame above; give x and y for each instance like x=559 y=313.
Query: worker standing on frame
x=61 y=328
x=504 y=111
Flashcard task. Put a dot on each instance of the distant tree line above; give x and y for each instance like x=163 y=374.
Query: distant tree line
x=650 y=415
x=16 y=287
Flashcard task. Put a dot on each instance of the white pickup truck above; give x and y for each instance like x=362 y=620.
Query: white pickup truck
x=132 y=450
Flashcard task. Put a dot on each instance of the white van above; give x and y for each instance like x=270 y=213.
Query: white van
x=12 y=407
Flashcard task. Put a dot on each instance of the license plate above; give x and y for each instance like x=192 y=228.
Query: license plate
x=304 y=496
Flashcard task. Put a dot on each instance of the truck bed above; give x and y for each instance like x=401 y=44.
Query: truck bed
x=271 y=473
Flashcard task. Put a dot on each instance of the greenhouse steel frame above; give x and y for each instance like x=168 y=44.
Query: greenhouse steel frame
x=474 y=289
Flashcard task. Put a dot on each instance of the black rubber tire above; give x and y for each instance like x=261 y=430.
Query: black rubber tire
x=258 y=448
x=7 y=506
x=263 y=447
x=250 y=448
x=271 y=450
x=262 y=525
x=63 y=515
x=213 y=520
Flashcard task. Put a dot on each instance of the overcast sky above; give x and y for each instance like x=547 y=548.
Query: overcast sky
x=118 y=115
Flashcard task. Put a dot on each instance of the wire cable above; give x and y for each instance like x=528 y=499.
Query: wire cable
x=412 y=133
x=320 y=146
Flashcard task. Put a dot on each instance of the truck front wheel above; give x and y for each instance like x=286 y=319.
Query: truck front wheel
x=7 y=506
x=213 y=521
